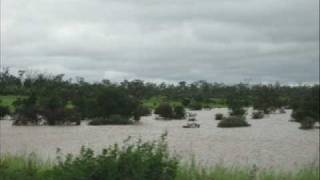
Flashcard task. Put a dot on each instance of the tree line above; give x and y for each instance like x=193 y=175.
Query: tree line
x=59 y=99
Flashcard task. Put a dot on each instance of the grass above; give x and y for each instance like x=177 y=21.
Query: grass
x=219 y=172
x=153 y=102
x=9 y=100
x=32 y=168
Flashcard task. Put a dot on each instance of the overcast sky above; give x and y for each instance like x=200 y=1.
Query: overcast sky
x=164 y=40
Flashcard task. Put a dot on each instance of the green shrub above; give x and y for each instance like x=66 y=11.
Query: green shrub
x=307 y=123
x=72 y=116
x=219 y=116
x=164 y=110
x=111 y=120
x=139 y=161
x=144 y=111
x=4 y=110
x=195 y=105
x=257 y=115
x=179 y=112
x=186 y=101
x=233 y=121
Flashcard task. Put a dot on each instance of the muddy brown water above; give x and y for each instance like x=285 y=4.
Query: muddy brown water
x=272 y=142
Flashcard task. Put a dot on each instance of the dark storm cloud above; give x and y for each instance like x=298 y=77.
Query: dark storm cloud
x=225 y=41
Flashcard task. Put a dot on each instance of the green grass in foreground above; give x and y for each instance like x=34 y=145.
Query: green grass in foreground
x=32 y=168
x=8 y=101
x=135 y=161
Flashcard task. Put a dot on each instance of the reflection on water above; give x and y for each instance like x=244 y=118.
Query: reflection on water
x=270 y=142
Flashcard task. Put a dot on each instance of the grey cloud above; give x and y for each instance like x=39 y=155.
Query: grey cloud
x=225 y=41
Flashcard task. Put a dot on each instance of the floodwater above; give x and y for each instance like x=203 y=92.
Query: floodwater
x=272 y=142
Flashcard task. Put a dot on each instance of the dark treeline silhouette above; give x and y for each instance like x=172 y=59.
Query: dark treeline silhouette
x=55 y=98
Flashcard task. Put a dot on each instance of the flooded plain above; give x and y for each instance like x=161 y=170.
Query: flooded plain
x=272 y=142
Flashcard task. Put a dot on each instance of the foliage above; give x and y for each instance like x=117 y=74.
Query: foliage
x=135 y=162
x=219 y=116
x=237 y=101
x=26 y=110
x=307 y=123
x=186 y=101
x=306 y=108
x=8 y=101
x=4 y=110
x=164 y=110
x=112 y=101
x=267 y=98
x=111 y=120
x=141 y=111
x=149 y=160
x=195 y=105
x=193 y=171
x=233 y=121
x=179 y=112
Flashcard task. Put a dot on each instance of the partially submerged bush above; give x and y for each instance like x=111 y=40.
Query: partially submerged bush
x=233 y=121
x=141 y=111
x=115 y=119
x=144 y=111
x=26 y=111
x=257 y=115
x=164 y=110
x=4 y=110
x=219 y=116
x=139 y=161
x=307 y=123
x=179 y=112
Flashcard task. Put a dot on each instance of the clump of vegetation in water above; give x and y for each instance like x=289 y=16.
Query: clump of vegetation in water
x=219 y=116
x=306 y=108
x=51 y=108
x=179 y=112
x=237 y=102
x=111 y=120
x=166 y=111
x=141 y=111
x=233 y=121
x=257 y=115
x=4 y=110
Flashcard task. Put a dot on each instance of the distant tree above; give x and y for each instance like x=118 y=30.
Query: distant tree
x=26 y=110
x=306 y=108
x=112 y=101
x=237 y=101
x=267 y=98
